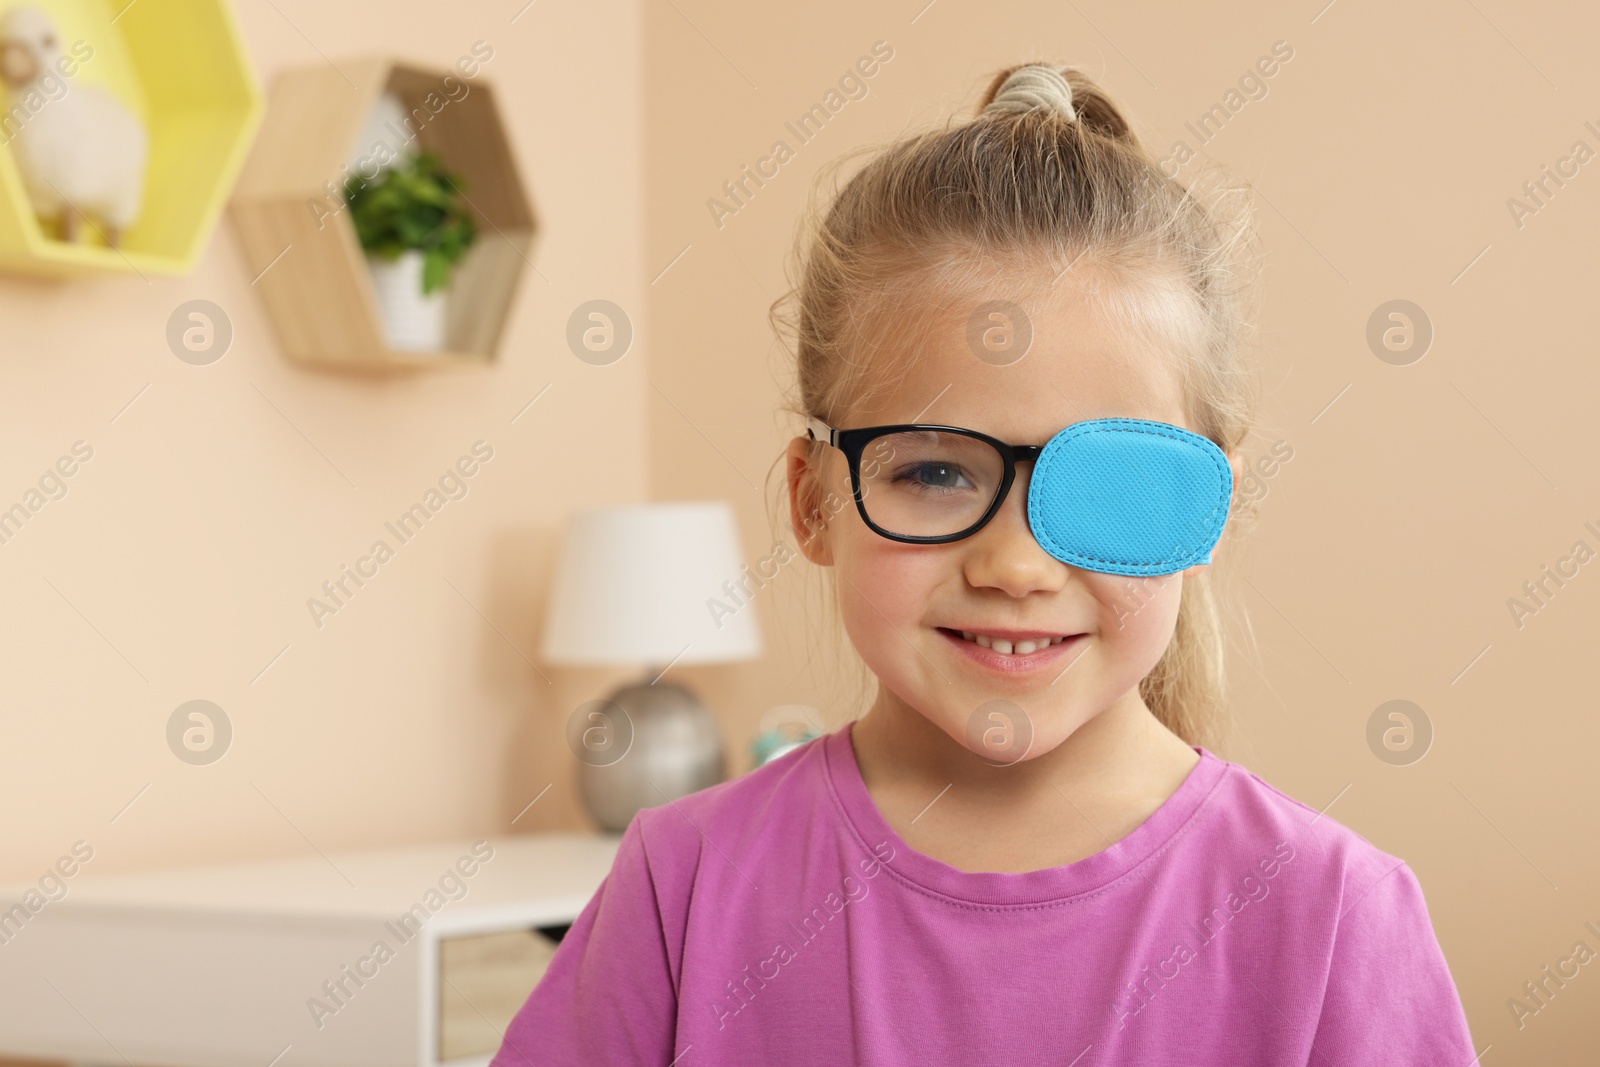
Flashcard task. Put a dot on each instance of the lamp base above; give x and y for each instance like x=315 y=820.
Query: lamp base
x=674 y=748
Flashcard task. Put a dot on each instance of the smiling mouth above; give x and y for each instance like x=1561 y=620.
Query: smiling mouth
x=1024 y=647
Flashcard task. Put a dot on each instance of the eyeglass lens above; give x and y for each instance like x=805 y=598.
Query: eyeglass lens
x=929 y=484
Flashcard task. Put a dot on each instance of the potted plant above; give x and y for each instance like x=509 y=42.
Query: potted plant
x=414 y=226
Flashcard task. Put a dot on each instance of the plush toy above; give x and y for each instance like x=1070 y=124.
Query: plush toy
x=80 y=151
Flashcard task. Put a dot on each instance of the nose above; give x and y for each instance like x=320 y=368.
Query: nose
x=1005 y=555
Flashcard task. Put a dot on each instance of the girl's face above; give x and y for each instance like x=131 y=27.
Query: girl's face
x=906 y=606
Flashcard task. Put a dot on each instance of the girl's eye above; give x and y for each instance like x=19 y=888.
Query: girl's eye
x=933 y=476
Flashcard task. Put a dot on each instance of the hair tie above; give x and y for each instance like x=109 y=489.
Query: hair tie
x=1032 y=87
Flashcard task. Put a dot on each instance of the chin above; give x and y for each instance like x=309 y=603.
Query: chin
x=997 y=734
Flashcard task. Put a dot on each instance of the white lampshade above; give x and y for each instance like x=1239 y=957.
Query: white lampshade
x=636 y=584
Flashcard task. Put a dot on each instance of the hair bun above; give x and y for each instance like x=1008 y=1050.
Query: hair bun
x=1033 y=87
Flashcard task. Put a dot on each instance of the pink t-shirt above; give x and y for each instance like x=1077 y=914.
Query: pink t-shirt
x=777 y=919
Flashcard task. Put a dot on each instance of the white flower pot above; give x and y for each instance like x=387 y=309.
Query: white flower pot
x=412 y=321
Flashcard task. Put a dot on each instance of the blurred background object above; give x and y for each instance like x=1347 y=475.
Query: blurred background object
x=402 y=206
x=123 y=129
x=641 y=585
x=414 y=226
x=83 y=157
x=414 y=955
x=783 y=729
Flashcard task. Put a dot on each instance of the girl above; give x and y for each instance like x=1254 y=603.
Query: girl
x=1022 y=853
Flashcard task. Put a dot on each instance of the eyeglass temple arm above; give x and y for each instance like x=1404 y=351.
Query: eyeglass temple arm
x=820 y=430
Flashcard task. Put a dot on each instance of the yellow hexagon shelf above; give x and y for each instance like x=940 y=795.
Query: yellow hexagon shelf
x=326 y=123
x=178 y=67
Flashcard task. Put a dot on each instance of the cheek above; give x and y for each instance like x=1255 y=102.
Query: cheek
x=883 y=586
x=1137 y=614
x=884 y=589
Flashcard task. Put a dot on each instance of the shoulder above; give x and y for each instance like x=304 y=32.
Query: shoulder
x=1359 y=918
x=1324 y=852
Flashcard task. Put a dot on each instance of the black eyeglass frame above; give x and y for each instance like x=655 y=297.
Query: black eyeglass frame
x=854 y=442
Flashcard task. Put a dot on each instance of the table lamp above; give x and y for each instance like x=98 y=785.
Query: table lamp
x=657 y=586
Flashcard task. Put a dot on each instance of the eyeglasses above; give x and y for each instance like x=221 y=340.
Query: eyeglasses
x=1124 y=496
x=923 y=483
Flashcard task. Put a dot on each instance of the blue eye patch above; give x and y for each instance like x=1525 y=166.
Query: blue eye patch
x=1129 y=496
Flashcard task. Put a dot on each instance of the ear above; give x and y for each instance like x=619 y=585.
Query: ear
x=807 y=516
x=1236 y=461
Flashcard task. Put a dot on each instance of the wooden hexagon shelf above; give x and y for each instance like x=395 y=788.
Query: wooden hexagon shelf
x=179 y=67
x=290 y=215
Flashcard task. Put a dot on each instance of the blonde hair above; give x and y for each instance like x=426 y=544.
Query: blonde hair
x=1048 y=177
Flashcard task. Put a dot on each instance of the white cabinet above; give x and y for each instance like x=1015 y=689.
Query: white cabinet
x=410 y=957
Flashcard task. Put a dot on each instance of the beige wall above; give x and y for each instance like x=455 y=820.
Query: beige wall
x=1413 y=508
x=1415 y=505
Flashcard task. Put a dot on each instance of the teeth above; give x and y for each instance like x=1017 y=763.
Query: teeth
x=1020 y=648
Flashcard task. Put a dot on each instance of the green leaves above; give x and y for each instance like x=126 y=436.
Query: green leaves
x=414 y=204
